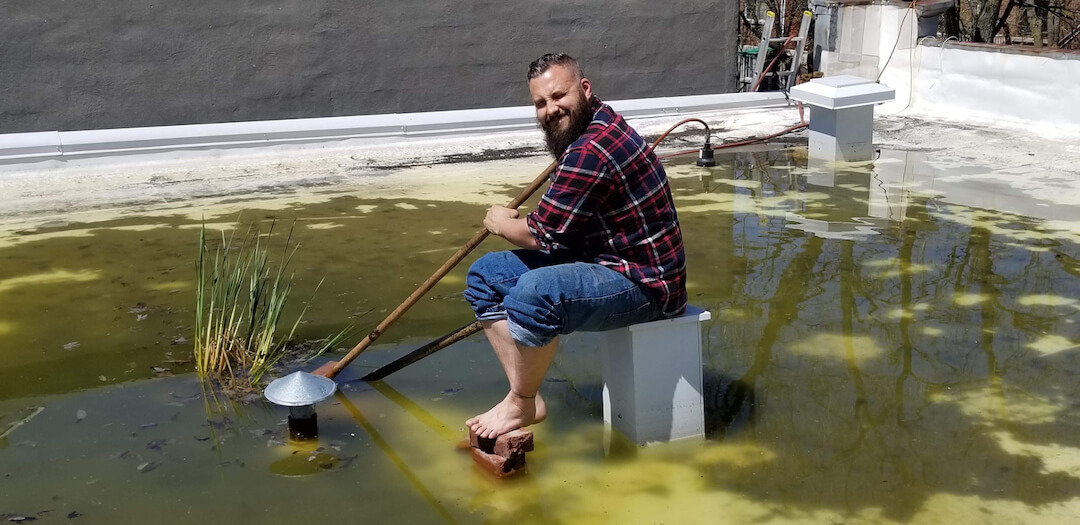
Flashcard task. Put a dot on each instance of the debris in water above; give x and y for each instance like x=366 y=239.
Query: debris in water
x=103 y=379
x=120 y=455
x=200 y=438
x=141 y=317
x=72 y=345
x=11 y=428
x=145 y=426
x=159 y=370
x=250 y=398
x=156 y=444
x=80 y=415
x=138 y=308
x=148 y=466
x=274 y=443
x=345 y=461
x=73 y=514
x=179 y=340
x=21 y=519
x=451 y=391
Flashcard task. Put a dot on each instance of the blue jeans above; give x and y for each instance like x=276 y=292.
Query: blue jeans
x=542 y=295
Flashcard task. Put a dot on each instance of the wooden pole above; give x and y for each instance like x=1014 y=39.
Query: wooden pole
x=333 y=368
x=424 y=351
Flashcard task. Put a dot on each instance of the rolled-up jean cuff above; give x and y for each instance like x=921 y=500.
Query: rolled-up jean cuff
x=525 y=337
x=492 y=315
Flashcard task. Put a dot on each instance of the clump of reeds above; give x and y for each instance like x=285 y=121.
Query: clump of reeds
x=240 y=296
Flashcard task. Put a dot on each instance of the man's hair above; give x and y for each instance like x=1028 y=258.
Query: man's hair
x=542 y=64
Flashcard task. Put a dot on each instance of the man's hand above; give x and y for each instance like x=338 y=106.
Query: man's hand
x=508 y=224
x=496 y=218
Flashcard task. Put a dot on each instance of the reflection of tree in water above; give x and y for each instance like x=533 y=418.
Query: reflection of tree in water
x=930 y=386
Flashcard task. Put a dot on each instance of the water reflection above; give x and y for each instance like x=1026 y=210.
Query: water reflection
x=388 y=449
x=923 y=292
x=891 y=342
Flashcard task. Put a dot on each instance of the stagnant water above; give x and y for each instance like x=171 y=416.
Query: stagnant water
x=888 y=344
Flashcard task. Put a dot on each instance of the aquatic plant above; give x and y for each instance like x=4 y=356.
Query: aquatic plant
x=240 y=297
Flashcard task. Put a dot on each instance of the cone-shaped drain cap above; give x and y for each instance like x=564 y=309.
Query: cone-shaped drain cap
x=299 y=389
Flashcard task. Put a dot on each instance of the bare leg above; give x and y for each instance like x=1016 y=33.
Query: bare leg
x=525 y=368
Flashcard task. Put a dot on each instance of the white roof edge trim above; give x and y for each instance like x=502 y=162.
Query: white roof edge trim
x=34 y=145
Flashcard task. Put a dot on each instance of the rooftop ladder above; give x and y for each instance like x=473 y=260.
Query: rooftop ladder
x=787 y=77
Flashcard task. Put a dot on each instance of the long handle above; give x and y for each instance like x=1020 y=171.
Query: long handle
x=435 y=278
x=424 y=351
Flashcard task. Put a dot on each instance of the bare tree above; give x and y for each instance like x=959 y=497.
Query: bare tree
x=1039 y=23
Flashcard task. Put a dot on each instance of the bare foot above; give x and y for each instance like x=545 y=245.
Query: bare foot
x=511 y=413
x=541 y=410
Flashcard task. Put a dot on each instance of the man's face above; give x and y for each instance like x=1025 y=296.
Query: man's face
x=562 y=106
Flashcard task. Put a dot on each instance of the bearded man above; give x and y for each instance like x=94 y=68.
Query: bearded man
x=602 y=250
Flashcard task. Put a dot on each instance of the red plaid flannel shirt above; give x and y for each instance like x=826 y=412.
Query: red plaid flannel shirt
x=610 y=202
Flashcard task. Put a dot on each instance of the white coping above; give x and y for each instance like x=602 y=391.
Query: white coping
x=32 y=145
x=977 y=83
x=842 y=92
x=23 y=147
x=1013 y=86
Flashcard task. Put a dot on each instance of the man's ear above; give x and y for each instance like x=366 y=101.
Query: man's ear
x=587 y=87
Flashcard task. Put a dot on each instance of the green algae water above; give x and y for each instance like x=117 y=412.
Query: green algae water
x=891 y=342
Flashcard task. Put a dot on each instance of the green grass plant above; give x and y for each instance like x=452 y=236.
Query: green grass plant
x=240 y=296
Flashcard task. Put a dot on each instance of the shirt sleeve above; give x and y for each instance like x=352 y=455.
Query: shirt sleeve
x=580 y=184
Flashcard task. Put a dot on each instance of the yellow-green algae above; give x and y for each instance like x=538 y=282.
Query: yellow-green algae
x=922 y=373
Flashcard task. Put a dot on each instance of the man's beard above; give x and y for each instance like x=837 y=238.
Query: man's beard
x=558 y=140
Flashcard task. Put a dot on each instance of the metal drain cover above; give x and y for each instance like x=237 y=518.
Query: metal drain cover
x=299 y=389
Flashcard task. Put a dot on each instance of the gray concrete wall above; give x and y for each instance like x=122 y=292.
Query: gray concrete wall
x=69 y=65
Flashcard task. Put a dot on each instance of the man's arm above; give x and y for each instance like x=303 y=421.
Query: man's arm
x=564 y=215
x=506 y=223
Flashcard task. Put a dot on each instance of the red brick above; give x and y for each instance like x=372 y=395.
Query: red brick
x=482 y=443
x=497 y=465
x=514 y=442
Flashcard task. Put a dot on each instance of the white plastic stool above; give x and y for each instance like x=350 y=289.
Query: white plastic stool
x=652 y=379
